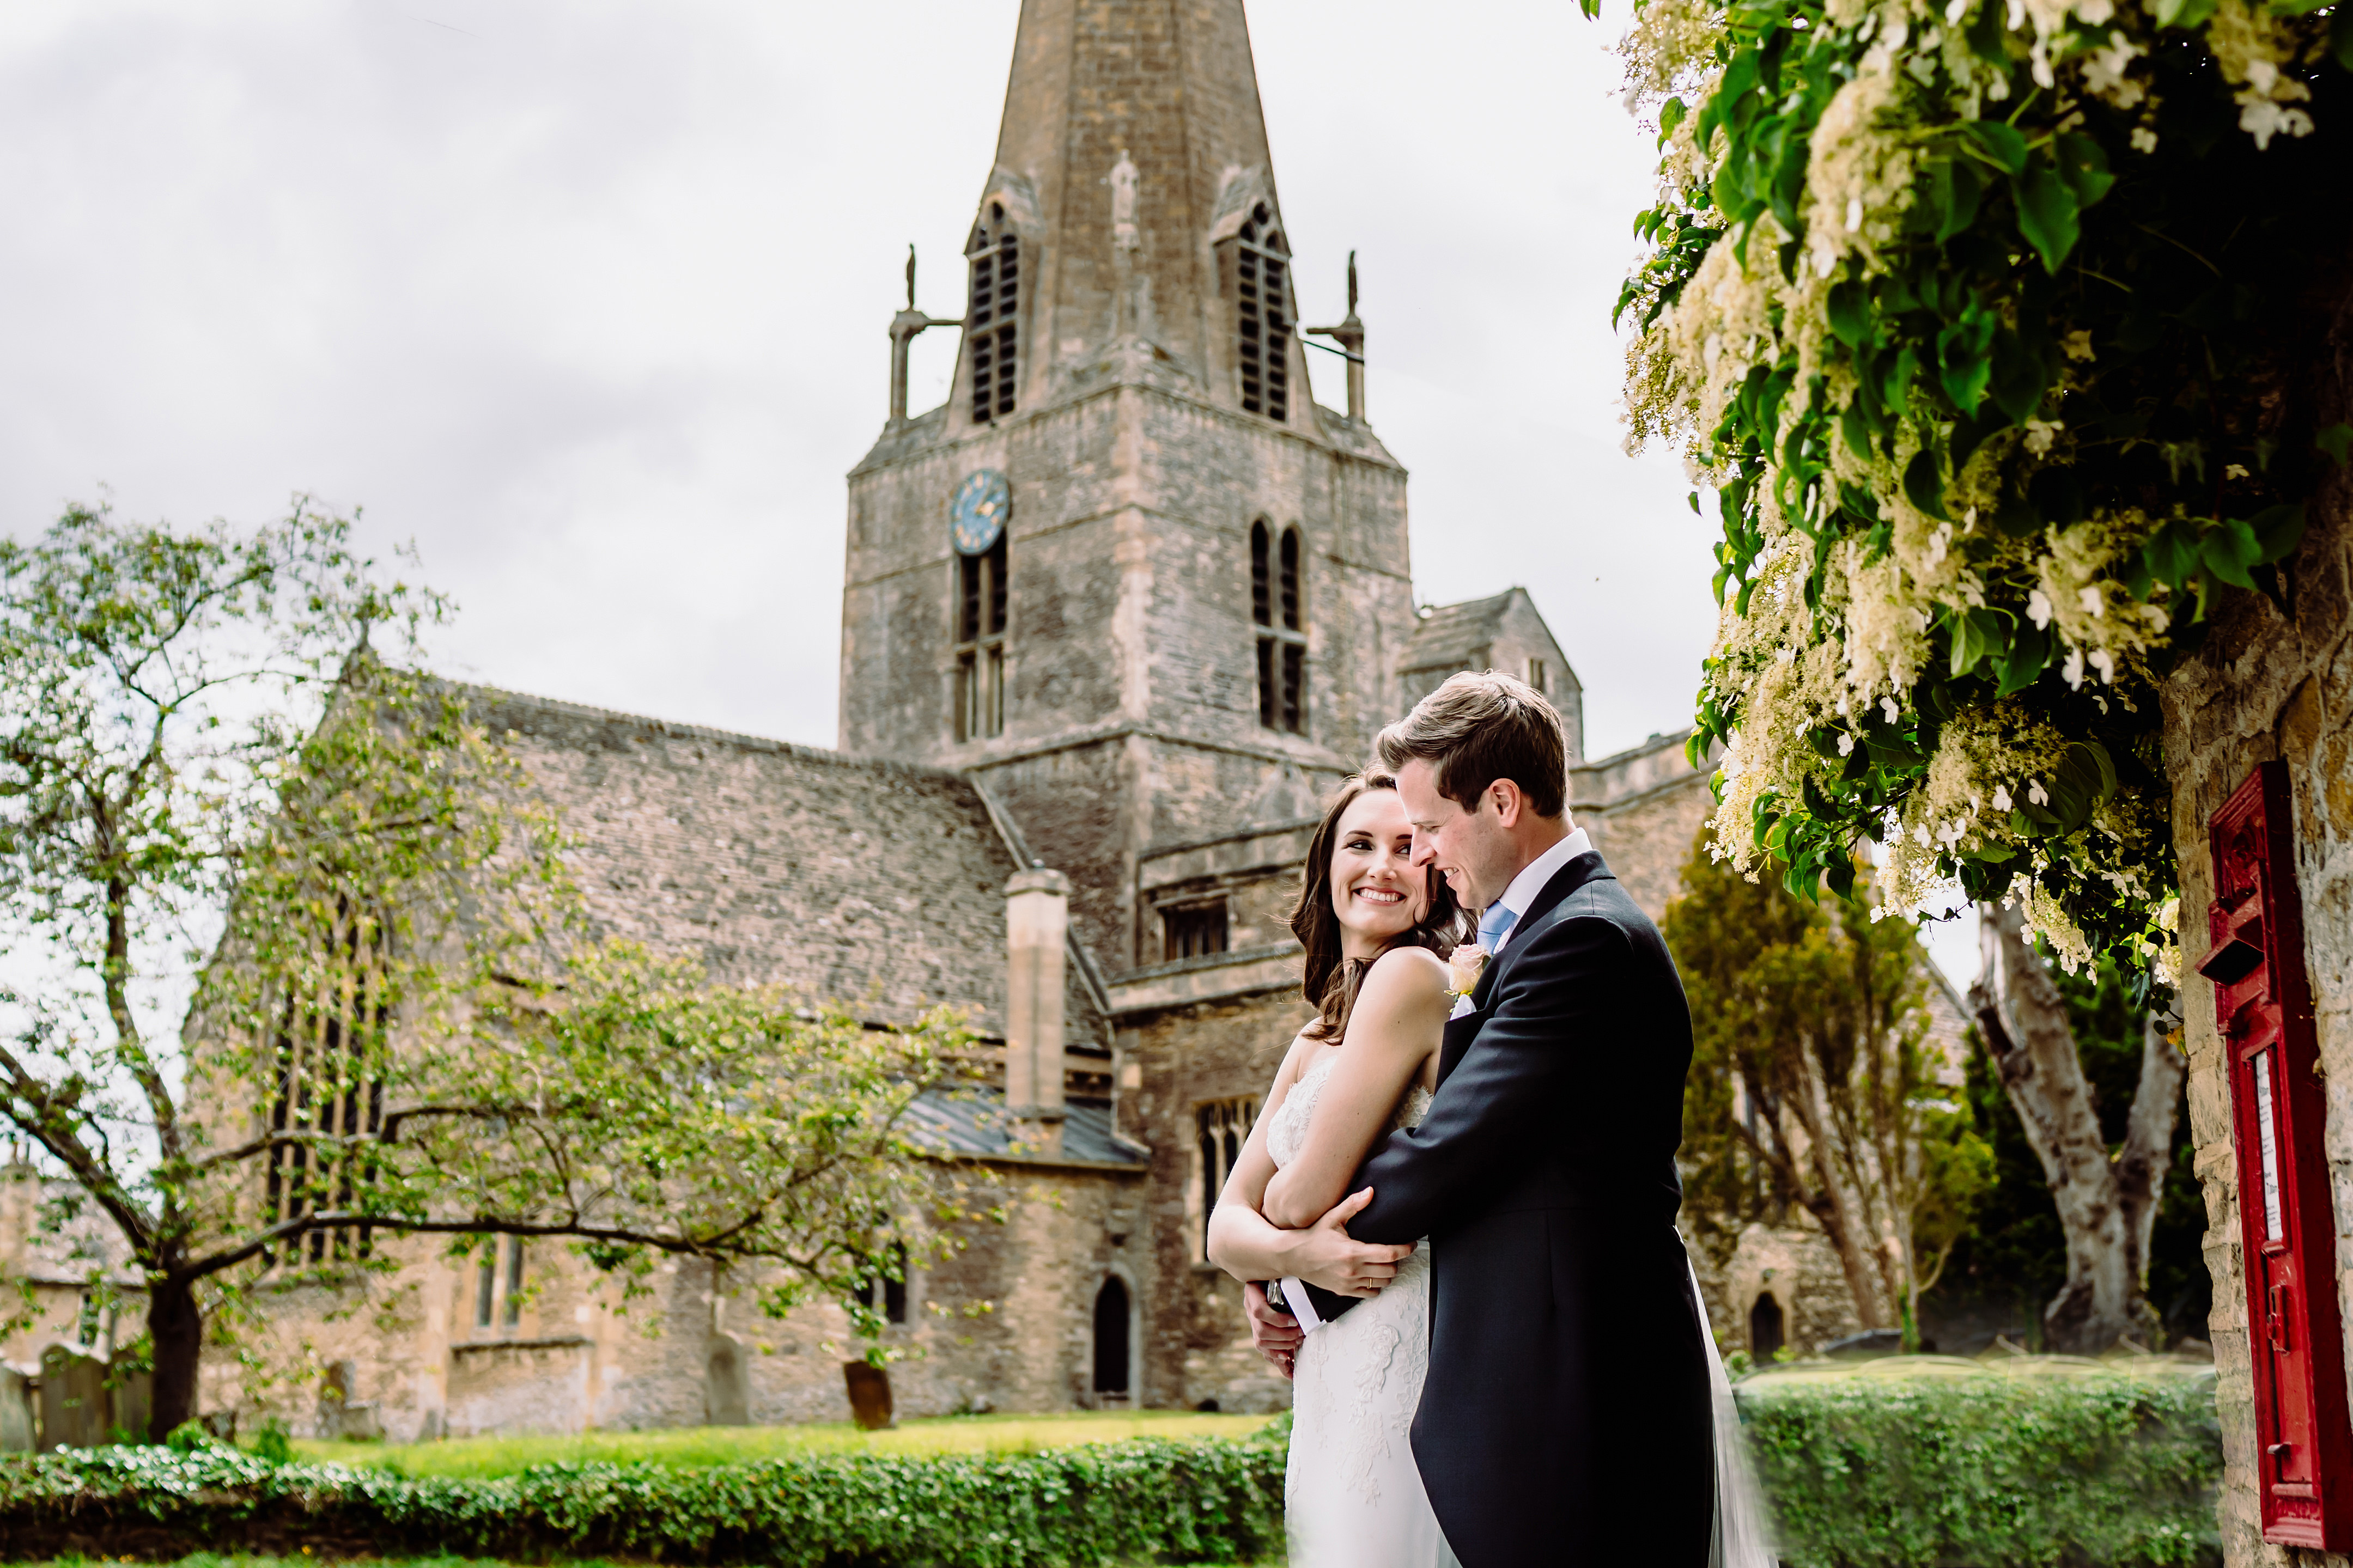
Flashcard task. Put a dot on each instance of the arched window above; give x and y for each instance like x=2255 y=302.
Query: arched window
x=328 y=1077
x=1764 y=1332
x=991 y=323
x=1224 y=1126
x=1276 y=604
x=881 y=1291
x=1262 y=321
x=980 y=643
x=1111 y=1337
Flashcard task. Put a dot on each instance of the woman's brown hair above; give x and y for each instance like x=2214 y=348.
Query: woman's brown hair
x=1331 y=981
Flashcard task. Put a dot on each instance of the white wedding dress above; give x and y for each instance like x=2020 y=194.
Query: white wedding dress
x=1352 y=1495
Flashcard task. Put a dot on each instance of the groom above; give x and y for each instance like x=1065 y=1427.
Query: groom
x=1566 y=1417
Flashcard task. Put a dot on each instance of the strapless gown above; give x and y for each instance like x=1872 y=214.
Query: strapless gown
x=1352 y=1495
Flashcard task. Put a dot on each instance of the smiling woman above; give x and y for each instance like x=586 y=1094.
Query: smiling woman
x=1359 y=879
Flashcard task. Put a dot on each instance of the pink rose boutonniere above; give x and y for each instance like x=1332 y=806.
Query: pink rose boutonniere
x=1464 y=966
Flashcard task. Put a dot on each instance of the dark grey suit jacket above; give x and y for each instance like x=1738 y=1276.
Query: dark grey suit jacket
x=1567 y=1418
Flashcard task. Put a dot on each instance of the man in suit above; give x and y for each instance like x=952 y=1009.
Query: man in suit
x=1566 y=1417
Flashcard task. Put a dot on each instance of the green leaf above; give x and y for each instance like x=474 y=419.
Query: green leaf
x=2019 y=377
x=2171 y=552
x=2000 y=144
x=1849 y=311
x=2278 y=529
x=1989 y=31
x=1671 y=114
x=1965 y=358
x=1840 y=878
x=1856 y=429
x=2231 y=551
x=2047 y=214
x=2336 y=438
x=1978 y=634
x=1924 y=482
x=2340 y=36
x=2184 y=13
x=1895 y=388
x=2028 y=656
x=2086 y=166
x=1962 y=188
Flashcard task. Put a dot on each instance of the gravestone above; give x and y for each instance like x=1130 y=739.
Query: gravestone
x=869 y=1394
x=727 y=1384
x=74 y=1404
x=133 y=1404
x=17 y=1432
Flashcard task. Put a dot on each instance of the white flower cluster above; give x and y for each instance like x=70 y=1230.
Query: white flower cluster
x=1806 y=684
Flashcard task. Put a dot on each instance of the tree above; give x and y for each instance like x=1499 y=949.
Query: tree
x=2107 y=1190
x=1997 y=404
x=2016 y=1250
x=1811 y=1085
x=211 y=786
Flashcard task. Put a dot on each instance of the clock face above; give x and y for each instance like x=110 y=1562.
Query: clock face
x=979 y=510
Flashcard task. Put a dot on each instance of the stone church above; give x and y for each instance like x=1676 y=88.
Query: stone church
x=1114 y=619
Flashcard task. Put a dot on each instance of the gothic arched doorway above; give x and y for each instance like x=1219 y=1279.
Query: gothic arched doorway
x=1764 y=1332
x=1110 y=1338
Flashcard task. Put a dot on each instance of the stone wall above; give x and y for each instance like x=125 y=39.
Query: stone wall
x=1644 y=809
x=1795 y=1262
x=1181 y=1058
x=2266 y=685
x=1007 y=1323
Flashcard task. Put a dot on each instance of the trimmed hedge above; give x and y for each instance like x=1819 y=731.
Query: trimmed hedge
x=1863 y=1472
x=1142 y=1501
x=1989 y=1472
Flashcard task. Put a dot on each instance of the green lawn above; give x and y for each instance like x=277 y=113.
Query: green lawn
x=729 y=1445
x=210 y=1559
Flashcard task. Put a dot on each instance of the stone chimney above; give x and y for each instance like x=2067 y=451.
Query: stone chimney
x=1037 y=931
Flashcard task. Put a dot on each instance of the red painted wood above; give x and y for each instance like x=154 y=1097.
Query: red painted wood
x=2262 y=1000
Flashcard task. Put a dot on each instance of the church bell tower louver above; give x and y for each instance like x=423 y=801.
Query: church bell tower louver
x=1129 y=576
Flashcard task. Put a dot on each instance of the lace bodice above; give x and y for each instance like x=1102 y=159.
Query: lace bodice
x=1287 y=1135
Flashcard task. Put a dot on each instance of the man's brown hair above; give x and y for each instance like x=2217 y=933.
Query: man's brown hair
x=1479 y=727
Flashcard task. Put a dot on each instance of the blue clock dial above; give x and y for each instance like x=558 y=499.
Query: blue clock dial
x=979 y=510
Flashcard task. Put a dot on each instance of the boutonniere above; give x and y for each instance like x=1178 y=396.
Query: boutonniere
x=1464 y=966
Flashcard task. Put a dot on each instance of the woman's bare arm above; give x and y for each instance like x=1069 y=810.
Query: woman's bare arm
x=1245 y=1245
x=1393 y=1032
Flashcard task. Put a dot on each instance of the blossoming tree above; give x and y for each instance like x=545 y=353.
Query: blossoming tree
x=204 y=792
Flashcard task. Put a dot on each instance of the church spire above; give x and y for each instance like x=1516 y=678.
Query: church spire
x=1132 y=157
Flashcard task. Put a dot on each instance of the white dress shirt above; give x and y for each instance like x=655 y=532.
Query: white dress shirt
x=1532 y=880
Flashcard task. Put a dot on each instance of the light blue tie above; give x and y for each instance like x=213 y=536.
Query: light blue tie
x=1495 y=925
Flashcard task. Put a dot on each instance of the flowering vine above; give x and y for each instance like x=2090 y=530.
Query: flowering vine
x=1983 y=318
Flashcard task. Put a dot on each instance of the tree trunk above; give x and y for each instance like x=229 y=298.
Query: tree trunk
x=175 y=1328
x=2106 y=1207
x=1844 y=1208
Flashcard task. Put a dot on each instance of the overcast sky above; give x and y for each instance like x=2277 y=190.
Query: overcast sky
x=589 y=300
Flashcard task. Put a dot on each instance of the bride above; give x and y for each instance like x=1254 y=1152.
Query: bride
x=1376 y=933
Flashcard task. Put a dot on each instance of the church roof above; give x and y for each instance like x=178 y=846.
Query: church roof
x=1448 y=634
x=880 y=885
x=975 y=1126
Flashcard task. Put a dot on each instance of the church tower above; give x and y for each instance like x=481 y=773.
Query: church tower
x=1130 y=577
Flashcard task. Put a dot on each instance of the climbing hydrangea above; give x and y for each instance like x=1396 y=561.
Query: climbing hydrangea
x=1980 y=318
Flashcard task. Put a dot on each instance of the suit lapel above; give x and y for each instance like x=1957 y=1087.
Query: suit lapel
x=1459 y=1032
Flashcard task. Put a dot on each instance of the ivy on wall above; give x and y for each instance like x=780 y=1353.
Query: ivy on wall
x=1983 y=318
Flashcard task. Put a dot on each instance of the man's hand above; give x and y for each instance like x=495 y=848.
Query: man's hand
x=1276 y=1334
x=1324 y=1255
